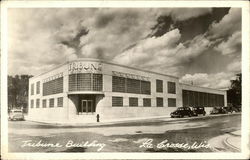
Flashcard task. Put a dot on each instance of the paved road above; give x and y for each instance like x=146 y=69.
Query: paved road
x=159 y=135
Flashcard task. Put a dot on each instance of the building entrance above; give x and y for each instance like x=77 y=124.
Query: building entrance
x=86 y=107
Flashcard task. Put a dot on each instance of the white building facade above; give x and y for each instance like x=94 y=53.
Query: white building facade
x=79 y=90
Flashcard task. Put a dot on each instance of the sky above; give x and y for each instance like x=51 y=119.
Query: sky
x=201 y=46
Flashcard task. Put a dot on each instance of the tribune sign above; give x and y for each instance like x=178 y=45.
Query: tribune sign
x=84 y=67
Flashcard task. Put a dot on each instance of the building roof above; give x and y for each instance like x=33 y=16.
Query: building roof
x=107 y=62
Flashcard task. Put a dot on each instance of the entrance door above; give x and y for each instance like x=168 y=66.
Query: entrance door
x=86 y=107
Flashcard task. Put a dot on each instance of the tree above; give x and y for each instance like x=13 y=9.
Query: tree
x=18 y=87
x=234 y=93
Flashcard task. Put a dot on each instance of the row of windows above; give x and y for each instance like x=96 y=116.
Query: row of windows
x=53 y=87
x=128 y=85
x=37 y=88
x=171 y=87
x=44 y=103
x=133 y=102
x=202 y=99
x=85 y=82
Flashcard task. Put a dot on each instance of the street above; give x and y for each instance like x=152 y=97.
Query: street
x=157 y=135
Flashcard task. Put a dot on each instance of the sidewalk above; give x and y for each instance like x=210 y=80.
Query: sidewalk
x=230 y=142
x=126 y=120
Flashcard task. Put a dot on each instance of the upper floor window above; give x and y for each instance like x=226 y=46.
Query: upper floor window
x=53 y=87
x=159 y=85
x=171 y=87
x=38 y=87
x=32 y=89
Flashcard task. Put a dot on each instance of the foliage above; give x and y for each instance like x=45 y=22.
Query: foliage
x=18 y=87
x=234 y=93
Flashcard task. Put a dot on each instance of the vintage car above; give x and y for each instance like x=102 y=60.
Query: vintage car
x=218 y=110
x=181 y=112
x=16 y=114
x=198 y=111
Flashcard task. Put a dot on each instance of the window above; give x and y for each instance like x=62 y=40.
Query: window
x=133 y=102
x=53 y=87
x=97 y=82
x=171 y=102
x=145 y=87
x=146 y=102
x=32 y=89
x=85 y=82
x=60 y=102
x=159 y=102
x=171 y=87
x=38 y=87
x=159 y=85
x=37 y=103
x=51 y=102
x=133 y=86
x=118 y=84
x=44 y=103
x=32 y=103
x=117 y=101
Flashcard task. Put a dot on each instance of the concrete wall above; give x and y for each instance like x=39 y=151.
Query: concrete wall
x=104 y=100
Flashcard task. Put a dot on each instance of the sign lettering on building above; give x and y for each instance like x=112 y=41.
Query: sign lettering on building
x=85 y=67
x=131 y=76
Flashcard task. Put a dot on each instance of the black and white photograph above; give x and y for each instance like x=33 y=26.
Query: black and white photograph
x=134 y=78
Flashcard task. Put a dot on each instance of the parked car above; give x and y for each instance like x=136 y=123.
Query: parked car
x=198 y=110
x=181 y=112
x=218 y=110
x=16 y=114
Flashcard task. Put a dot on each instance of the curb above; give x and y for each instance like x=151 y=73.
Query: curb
x=230 y=145
x=95 y=124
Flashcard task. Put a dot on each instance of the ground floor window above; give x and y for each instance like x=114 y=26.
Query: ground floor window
x=117 y=101
x=51 y=102
x=60 y=102
x=32 y=103
x=159 y=101
x=146 y=102
x=37 y=103
x=44 y=103
x=133 y=102
x=171 y=102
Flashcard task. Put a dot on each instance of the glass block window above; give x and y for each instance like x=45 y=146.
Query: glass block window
x=97 y=82
x=133 y=86
x=51 y=102
x=145 y=87
x=171 y=87
x=118 y=84
x=32 y=103
x=201 y=99
x=32 y=89
x=117 y=101
x=171 y=102
x=38 y=87
x=53 y=87
x=60 y=102
x=146 y=102
x=85 y=82
x=133 y=102
x=159 y=85
x=44 y=103
x=37 y=103
x=72 y=82
x=159 y=102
